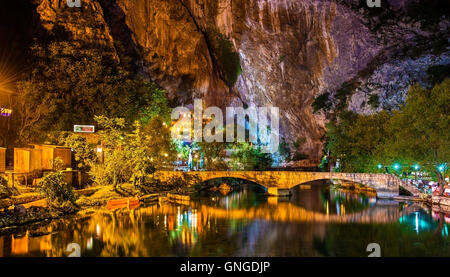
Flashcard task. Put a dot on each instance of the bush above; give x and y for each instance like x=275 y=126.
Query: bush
x=5 y=191
x=59 y=194
x=374 y=101
x=322 y=102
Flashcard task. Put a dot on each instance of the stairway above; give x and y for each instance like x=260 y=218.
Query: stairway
x=411 y=188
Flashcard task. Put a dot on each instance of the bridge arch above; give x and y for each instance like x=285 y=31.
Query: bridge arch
x=330 y=180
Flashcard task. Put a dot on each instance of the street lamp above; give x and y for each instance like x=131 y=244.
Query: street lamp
x=380 y=166
x=396 y=166
x=416 y=168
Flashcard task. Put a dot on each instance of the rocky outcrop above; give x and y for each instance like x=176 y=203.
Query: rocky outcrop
x=289 y=51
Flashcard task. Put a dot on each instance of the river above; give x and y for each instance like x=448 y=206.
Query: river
x=317 y=220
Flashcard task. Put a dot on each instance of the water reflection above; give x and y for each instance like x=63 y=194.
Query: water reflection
x=318 y=221
x=321 y=197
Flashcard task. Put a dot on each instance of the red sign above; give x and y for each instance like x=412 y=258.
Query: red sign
x=84 y=129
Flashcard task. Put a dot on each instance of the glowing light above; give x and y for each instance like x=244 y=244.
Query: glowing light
x=5 y=112
x=396 y=166
x=441 y=167
x=98 y=230
x=416 y=167
x=379 y=166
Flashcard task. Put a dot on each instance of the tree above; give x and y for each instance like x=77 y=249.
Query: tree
x=214 y=153
x=247 y=156
x=78 y=84
x=83 y=154
x=132 y=156
x=355 y=140
x=139 y=158
x=113 y=170
x=29 y=108
x=419 y=130
x=159 y=144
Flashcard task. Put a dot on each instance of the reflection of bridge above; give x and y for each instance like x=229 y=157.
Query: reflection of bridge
x=280 y=182
x=288 y=212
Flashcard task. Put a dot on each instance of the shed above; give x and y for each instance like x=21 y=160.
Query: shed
x=50 y=152
x=27 y=160
x=2 y=159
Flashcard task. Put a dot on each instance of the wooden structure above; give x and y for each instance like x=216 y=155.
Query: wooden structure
x=2 y=160
x=51 y=152
x=27 y=160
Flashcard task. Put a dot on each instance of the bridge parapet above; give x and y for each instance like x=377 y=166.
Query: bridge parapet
x=385 y=185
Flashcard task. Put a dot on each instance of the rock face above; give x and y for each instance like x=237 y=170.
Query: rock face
x=290 y=51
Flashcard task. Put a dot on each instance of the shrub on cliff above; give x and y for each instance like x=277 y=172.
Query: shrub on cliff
x=227 y=59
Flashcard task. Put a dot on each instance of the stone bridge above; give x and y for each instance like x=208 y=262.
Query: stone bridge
x=280 y=182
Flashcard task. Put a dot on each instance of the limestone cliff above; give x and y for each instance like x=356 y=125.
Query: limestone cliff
x=289 y=51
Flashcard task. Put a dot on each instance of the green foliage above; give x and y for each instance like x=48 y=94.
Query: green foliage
x=284 y=151
x=138 y=158
x=417 y=133
x=249 y=157
x=5 y=191
x=322 y=102
x=374 y=101
x=82 y=152
x=159 y=144
x=132 y=156
x=156 y=104
x=355 y=140
x=214 y=153
x=59 y=194
x=113 y=169
x=78 y=84
x=342 y=95
x=228 y=60
x=419 y=130
x=298 y=154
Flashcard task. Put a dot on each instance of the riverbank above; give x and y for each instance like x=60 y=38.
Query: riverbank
x=440 y=202
x=32 y=207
